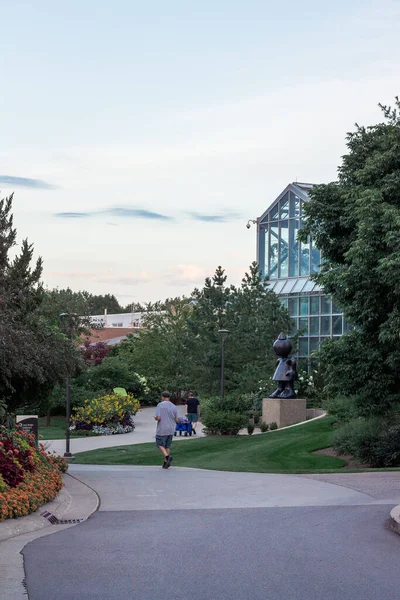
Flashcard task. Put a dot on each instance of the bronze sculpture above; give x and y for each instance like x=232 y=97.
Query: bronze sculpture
x=285 y=373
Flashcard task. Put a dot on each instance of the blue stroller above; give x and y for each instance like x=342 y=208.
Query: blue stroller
x=183 y=426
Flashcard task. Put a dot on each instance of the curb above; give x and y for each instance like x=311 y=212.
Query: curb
x=395 y=519
x=75 y=501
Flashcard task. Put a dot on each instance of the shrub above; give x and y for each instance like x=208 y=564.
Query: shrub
x=250 y=428
x=374 y=442
x=273 y=426
x=264 y=427
x=257 y=417
x=219 y=422
x=342 y=407
x=106 y=414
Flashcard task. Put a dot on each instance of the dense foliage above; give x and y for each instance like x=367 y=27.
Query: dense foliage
x=181 y=349
x=355 y=222
x=29 y=477
x=35 y=352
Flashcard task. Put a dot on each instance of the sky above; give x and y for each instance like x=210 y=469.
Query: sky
x=140 y=137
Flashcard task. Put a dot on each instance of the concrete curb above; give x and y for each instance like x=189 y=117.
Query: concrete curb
x=395 y=519
x=75 y=501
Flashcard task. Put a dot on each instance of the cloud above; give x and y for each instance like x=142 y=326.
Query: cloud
x=25 y=182
x=72 y=215
x=138 y=213
x=229 y=216
x=116 y=211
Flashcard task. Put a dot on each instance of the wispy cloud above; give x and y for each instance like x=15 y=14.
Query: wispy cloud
x=25 y=182
x=222 y=218
x=116 y=211
x=72 y=215
x=113 y=279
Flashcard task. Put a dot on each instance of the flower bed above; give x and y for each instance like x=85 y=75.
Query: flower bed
x=106 y=415
x=29 y=477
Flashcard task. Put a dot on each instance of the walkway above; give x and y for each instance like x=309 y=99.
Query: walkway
x=145 y=428
x=186 y=533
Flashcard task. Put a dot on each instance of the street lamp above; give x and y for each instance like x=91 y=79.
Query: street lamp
x=224 y=335
x=66 y=317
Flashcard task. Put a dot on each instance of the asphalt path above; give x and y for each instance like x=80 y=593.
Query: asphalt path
x=158 y=535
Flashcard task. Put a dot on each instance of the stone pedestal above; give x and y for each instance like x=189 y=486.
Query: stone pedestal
x=284 y=411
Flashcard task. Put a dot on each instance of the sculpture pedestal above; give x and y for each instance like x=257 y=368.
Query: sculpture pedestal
x=284 y=411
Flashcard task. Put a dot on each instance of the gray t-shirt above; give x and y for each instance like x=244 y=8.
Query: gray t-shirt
x=168 y=413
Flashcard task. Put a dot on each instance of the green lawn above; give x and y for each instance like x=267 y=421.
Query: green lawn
x=286 y=451
x=55 y=432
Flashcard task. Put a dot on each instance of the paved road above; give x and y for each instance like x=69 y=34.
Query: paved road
x=183 y=534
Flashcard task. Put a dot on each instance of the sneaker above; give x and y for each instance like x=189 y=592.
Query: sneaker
x=194 y=431
x=165 y=464
x=168 y=462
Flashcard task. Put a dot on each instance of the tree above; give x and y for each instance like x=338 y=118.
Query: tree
x=254 y=316
x=355 y=222
x=34 y=354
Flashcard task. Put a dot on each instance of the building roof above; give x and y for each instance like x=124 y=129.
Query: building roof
x=108 y=334
x=300 y=189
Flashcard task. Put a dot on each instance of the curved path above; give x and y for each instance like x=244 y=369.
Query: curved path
x=145 y=431
x=186 y=533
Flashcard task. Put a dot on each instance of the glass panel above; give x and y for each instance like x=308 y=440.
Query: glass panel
x=314 y=344
x=294 y=206
x=290 y=283
x=314 y=325
x=335 y=309
x=337 y=325
x=305 y=258
x=303 y=346
x=293 y=248
x=309 y=286
x=284 y=249
x=326 y=305
x=346 y=326
x=299 y=285
x=278 y=285
x=284 y=302
x=304 y=306
x=273 y=250
x=325 y=326
x=284 y=207
x=315 y=259
x=293 y=306
x=303 y=325
x=314 y=305
x=295 y=326
x=274 y=214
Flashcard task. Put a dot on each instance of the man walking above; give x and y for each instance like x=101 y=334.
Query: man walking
x=193 y=411
x=166 y=417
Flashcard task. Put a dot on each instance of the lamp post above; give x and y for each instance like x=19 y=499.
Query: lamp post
x=66 y=317
x=224 y=335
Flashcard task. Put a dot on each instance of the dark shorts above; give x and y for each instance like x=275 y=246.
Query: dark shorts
x=193 y=417
x=164 y=441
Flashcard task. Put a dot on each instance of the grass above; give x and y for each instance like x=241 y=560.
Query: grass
x=55 y=432
x=285 y=451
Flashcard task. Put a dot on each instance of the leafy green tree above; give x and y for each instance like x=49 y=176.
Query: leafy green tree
x=159 y=353
x=355 y=221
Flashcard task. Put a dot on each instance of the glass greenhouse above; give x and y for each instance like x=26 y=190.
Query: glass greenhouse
x=289 y=263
